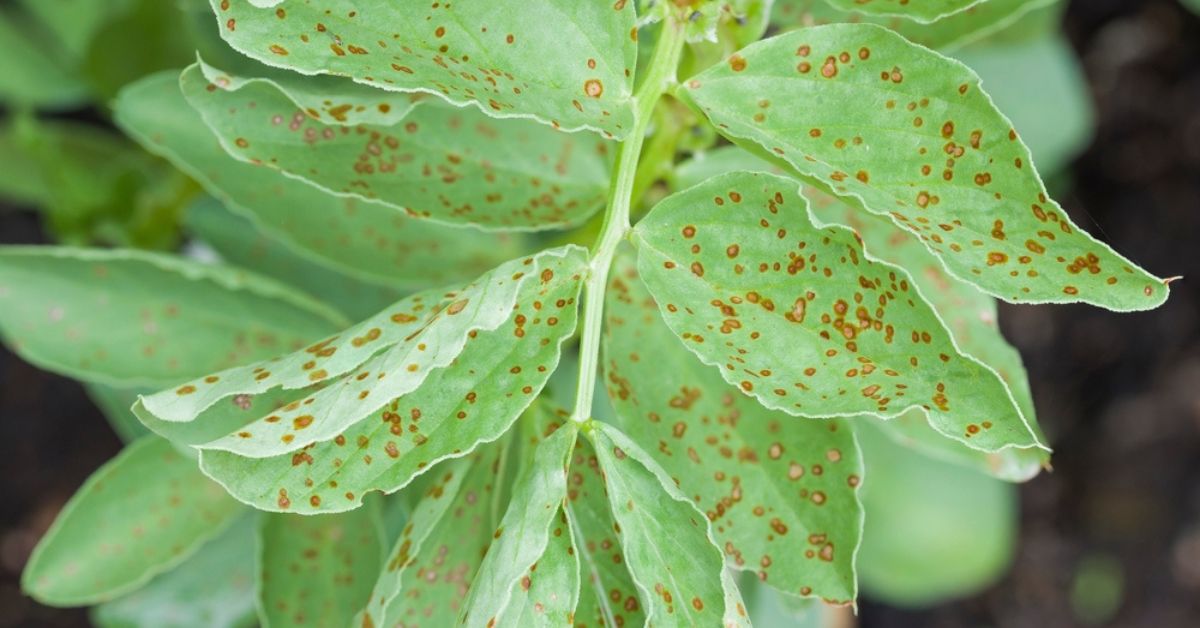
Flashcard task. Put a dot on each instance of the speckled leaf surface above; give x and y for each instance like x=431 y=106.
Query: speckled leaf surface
x=607 y=593
x=430 y=568
x=474 y=399
x=502 y=591
x=552 y=596
x=566 y=63
x=368 y=240
x=780 y=492
x=970 y=315
x=801 y=319
x=313 y=570
x=922 y=143
x=454 y=166
x=129 y=318
x=916 y=10
x=214 y=588
x=975 y=22
x=137 y=516
x=665 y=539
x=367 y=366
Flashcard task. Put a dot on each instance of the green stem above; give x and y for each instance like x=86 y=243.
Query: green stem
x=659 y=75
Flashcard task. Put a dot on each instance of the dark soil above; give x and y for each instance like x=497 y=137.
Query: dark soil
x=1118 y=394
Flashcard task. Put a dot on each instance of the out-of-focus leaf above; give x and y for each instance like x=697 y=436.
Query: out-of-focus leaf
x=33 y=73
x=311 y=569
x=115 y=403
x=508 y=589
x=665 y=539
x=368 y=240
x=129 y=318
x=214 y=588
x=607 y=593
x=472 y=400
x=449 y=165
x=1040 y=86
x=934 y=530
x=140 y=514
x=780 y=492
x=20 y=177
x=919 y=11
x=150 y=37
x=429 y=569
x=75 y=22
x=849 y=107
x=799 y=318
x=978 y=21
x=566 y=63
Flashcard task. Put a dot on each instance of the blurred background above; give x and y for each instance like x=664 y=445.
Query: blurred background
x=1110 y=537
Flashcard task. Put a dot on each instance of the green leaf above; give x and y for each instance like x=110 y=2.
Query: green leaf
x=238 y=241
x=75 y=22
x=368 y=240
x=800 y=319
x=140 y=514
x=607 y=593
x=977 y=21
x=1040 y=85
x=920 y=11
x=432 y=564
x=150 y=38
x=524 y=553
x=129 y=318
x=214 y=588
x=780 y=492
x=856 y=108
x=665 y=539
x=114 y=403
x=970 y=316
x=33 y=73
x=934 y=531
x=443 y=408
x=1194 y=5
x=310 y=569
x=454 y=166
x=566 y=63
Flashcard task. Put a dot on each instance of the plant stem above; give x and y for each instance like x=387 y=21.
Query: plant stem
x=659 y=75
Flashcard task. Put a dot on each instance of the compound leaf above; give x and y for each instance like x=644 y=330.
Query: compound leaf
x=213 y=588
x=975 y=200
x=130 y=318
x=454 y=166
x=502 y=593
x=800 y=319
x=566 y=63
x=367 y=240
x=310 y=569
x=977 y=21
x=474 y=399
x=780 y=492
x=665 y=539
x=140 y=514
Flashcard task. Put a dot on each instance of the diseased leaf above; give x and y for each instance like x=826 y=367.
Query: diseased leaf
x=214 y=588
x=454 y=166
x=934 y=531
x=971 y=24
x=238 y=241
x=383 y=357
x=971 y=318
x=780 y=492
x=854 y=108
x=916 y=10
x=607 y=593
x=140 y=514
x=310 y=569
x=800 y=319
x=446 y=412
x=666 y=542
x=566 y=63
x=368 y=240
x=114 y=403
x=502 y=592
x=432 y=564
x=129 y=318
